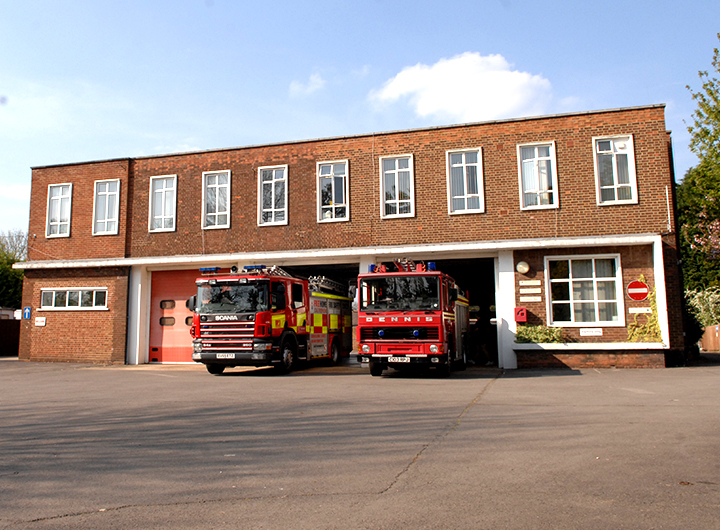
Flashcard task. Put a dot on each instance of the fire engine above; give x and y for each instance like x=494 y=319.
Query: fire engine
x=264 y=316
x=413 y=316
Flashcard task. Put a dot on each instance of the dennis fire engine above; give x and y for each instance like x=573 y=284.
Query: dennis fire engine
x=264 y=316
x=412 y=317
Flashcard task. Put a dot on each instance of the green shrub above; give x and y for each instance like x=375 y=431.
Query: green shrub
x=538 y=334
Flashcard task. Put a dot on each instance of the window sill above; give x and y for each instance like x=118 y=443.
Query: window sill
x=466 y=212
x=51 y=309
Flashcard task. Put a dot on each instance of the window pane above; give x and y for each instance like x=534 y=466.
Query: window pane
x=60 y=298
x=326 y=213
x=100 y=208
x=222 y=205
x=404 y=207
x=389 y=188
x=582 y=268
x=605 y=268
x=607 y=194
x=458 y=204
x=457 y=185
x=325 y=169
x=112 y=187
x=584 y=312
x=604 y=146
x=471 y=157
x=280 y=194
x=325 y=192
x=622 y=169
x=404 y=185
x=624 y=193
x=341 y=212
x=210 y=220
x=456 y=158
x=111 y=206
x=403 y=163
x=561 y=312
x=170 y=203
x=388 y=164
x=339 y=190
x=267 y=174
x=47 y=299
x=339 y=169
x=472 y=181
x=210 y=206
x=100 y=298
x=605 y=170
x=583 y=291
x=559 y=270
x=73 y=299
x=544 y=175
x=526 y=153
x=390 y=209
x=607 y=312
x=279 y=216
x=473 y=203
x=560 y=291
x=606 y=290
x=544 y=151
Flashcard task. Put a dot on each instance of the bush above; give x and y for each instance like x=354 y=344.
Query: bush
x=538 y=334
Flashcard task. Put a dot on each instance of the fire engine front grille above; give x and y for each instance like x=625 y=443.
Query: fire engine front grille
x=399 y=333
x=227 y=336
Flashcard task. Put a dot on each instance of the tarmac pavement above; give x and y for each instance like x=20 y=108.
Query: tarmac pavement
x=157 y=446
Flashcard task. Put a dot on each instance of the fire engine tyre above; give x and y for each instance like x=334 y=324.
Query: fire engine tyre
x=334 y=354
x=289 y=357
x=444 y=369
x=376 y=370
x=215 y=369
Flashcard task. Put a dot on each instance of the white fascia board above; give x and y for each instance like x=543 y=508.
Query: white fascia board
x=351 y=254
x=574 y=346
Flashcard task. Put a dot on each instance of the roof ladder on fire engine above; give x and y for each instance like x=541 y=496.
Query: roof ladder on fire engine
x=322 y=283
x=262 y=269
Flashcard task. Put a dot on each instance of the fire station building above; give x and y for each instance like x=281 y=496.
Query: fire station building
x=557 y=226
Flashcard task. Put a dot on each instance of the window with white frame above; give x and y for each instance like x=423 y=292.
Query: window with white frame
x=585 y=290
x=74 y=299
x=333 y=191
x=105 y=207
x=538 y=175
x=272 y=190
x=465 y=186
x=163 y=197
x=216 y=199
x=615 y=170
x=396 y=186
x=58 y=210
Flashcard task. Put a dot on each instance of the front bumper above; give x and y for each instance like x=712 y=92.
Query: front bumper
x=395 y=361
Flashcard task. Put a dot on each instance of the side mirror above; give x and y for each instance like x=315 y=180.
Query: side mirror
x=191 y=302
x=453 y=294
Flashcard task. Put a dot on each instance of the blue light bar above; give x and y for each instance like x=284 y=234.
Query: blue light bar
x=371 y=268
x=431 y=266
x=254 y=267
x=209 y=269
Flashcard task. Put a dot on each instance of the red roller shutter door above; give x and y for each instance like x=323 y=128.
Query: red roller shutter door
x=170 y=340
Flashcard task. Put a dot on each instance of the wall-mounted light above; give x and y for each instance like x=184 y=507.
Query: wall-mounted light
x=522 y=267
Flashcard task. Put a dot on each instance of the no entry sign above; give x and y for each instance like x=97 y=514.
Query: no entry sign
x=638 y=290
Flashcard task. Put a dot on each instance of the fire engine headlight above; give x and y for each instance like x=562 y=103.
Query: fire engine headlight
x=197 y=347
x=433 y=348
x=365 y=348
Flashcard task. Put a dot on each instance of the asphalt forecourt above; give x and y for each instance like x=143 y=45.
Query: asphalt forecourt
x=153 y=447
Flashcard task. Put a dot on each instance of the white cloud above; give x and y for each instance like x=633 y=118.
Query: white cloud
x=299 y=89
x=468 y=87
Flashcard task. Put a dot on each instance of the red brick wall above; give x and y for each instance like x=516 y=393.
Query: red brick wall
x=598 y=359
x=72 y=335
x=578 y=214
x=81 y=244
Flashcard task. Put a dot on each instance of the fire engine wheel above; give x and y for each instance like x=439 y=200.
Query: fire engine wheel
x=215 y=369
x=376 y=370
x=444 y=369
x=334 y=354
x=289 y=358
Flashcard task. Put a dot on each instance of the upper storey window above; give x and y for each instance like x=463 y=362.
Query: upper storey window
x=216 y=199
x=272 y=190
x=465 y=184
x=58 y=210
x=163 y=198
x=396 y=186
x=333 y=191
x=105 y=208
x=538 y=175
x=615 y=170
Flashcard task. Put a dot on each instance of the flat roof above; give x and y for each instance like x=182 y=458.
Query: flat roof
x=361 y=135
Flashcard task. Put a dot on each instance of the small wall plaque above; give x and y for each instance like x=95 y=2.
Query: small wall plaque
x=591 y=332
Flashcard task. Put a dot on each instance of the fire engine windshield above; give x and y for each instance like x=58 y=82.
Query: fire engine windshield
x=402 y=293
x=243 y=298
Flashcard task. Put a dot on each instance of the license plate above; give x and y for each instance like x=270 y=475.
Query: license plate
x=224 y=355
x=398 y=359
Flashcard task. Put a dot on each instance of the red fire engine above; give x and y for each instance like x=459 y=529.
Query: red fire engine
x=412 y=317
x=264 y=316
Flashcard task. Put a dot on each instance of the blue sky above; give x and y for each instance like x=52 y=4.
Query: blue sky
x=89 y=80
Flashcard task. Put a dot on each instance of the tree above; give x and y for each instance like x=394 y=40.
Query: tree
x=13 y=248
x=698 y=196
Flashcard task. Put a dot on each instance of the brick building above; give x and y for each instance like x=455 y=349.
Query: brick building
x=554 y=214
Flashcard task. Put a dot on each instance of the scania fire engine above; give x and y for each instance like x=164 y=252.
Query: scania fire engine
x=264 y=316
x=411 y=316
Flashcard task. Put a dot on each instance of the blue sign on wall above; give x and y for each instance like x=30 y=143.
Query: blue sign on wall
x=26 y=313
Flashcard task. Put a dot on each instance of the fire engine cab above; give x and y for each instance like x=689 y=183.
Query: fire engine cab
x=264 y=316
x=411 y=315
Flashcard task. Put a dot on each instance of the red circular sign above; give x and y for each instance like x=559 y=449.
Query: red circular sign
x=638 y=290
